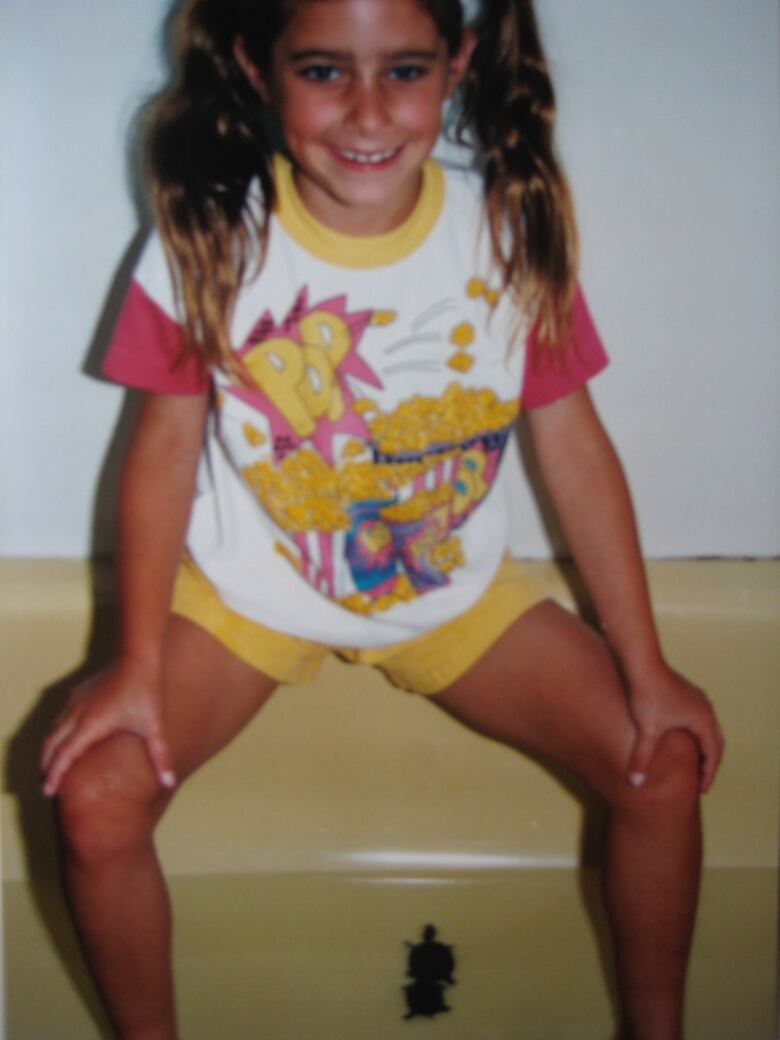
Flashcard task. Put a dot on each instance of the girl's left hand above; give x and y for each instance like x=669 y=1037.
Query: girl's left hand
x=661 y=700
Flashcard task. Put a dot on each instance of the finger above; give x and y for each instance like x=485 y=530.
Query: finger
x=62 y=730
x=711 y=743
x=71 y=748
x=160 y=754
x=641 y=756
x=65 y=712
x=67 y=718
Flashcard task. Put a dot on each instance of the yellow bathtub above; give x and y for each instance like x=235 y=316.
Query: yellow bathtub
x=306 y=858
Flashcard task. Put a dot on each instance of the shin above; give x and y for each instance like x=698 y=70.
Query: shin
x=108 y=806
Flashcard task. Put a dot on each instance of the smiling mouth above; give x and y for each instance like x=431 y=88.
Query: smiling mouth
x=368 y=158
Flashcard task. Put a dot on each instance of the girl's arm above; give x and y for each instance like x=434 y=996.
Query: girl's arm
x=155 y=499
x=585 y=480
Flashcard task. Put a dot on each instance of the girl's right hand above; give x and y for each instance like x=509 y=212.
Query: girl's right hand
x=124 y=698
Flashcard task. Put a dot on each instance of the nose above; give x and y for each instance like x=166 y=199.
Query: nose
x=368 y=111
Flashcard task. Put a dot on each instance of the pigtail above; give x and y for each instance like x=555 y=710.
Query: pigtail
x=206 y=143
x=509 y=106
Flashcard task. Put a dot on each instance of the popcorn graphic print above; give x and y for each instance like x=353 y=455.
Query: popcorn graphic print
x=348 y=482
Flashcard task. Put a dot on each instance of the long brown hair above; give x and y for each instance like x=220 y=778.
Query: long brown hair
x=509 y=107
x=210 y=136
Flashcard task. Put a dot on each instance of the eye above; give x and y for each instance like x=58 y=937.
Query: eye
x=407 y=73
x=319 y=73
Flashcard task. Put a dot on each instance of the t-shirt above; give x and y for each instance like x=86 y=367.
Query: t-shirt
x=355 y=495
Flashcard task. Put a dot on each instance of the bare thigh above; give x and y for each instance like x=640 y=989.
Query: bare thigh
x=210 y=694
x=550 y=684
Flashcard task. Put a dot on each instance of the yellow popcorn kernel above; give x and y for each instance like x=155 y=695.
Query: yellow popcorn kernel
x=253 y=436
x=419 y=505
x=461 y=361
x=363 y=405
x=353 y=448
x=462 y=335
x=357 y=602
x=492 y=297
x=383 y=317
x=447 y=555
x=404 y=590
x=376 y=537
x=362 y=480
x=475 y=287
x=253 y=476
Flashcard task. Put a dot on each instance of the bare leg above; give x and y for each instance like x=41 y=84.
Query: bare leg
x=109 y=804
x=550 y=684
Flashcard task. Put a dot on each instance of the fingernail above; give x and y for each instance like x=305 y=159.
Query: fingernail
x=637 y=779
x=168 y=779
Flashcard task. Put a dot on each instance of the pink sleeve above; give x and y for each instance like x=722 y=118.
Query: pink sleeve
x=582 y=357
x=144 y=351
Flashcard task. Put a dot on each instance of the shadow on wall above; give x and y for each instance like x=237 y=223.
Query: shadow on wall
x=102 y=539
x=103 y=510
x=36 y=818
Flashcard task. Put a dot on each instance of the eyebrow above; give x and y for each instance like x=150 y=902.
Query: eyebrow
x=336 y=55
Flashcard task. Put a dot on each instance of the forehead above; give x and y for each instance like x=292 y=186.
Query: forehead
x=355 y=24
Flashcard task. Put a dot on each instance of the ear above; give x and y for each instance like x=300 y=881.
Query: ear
x=251 y=70
x=459 y=62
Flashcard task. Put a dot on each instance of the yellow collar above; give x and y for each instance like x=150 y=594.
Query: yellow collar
x=355 y=251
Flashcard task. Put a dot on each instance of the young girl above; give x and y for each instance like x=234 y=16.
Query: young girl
x=335 y=336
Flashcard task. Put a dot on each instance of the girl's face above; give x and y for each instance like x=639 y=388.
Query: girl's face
x=358 y=86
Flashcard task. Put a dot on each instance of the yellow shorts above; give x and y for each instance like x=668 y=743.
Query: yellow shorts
x=426 y=664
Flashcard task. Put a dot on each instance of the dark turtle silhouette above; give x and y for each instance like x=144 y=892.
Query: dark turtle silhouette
x=430 y=965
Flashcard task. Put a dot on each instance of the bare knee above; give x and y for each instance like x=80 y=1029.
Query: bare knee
x=108 y=802
x=676 y=765
x=671 y=789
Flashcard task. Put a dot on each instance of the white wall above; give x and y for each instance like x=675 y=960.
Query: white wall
x=669 y=128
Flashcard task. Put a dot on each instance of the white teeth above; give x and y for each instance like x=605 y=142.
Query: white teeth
x=367 y=158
